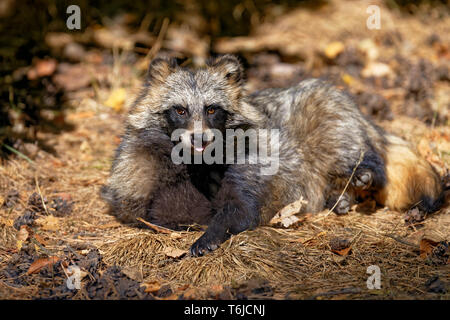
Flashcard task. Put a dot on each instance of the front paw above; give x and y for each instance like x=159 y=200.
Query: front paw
x=206 y=243
x=363 y=179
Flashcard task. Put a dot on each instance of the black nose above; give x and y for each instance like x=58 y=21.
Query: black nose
x=197 y=137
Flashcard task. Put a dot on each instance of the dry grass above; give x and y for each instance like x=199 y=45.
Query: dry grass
x=297 y=262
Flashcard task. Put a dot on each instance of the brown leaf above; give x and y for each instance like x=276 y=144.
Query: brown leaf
x=191 y=294
x=63 y=195
x=133 y=273
x=426 y=247
x=341 y=247
x=42 y=68
x=151 y=286
x=72 y=77
x=49 y=223
x=40 y=239
x=23 y=233
x=215 y=290
x=344 y=252
x=37 y=265
x=174 y=252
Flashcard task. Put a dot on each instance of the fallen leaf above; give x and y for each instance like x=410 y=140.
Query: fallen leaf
x=174 y=252
x=37 y=265
x=334 y=49
x=63 y=196
x=23 y=233
x=348 y=79
x=215 y=290
x=343 y=252
x=183 y=287
x=42 y=68
x=369 y=48
x=72 y=77
x=286 y=216
x=116 y=99
x=151 y=286
x=191 y=294
x=57 y=163
x=40 y=239
x=7 y=222
x=175 y=235
x=49 y=223
x=376 y=69
x=133 y=273
x=341 y=247
x=22 y=236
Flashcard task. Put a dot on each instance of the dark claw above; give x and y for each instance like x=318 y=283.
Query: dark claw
x=363 y=179
x=342 y=207
x=206 y=243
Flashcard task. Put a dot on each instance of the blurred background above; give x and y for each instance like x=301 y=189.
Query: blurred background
x=45 y=68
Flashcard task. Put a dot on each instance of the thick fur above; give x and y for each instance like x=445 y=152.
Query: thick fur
x=324 y=139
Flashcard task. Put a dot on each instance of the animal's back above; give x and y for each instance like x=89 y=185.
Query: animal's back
x=323 y=137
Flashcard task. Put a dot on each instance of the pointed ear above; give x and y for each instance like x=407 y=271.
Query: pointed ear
x=160 y=69
x=229 y=66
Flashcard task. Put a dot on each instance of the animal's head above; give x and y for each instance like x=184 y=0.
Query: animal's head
x=207 y=98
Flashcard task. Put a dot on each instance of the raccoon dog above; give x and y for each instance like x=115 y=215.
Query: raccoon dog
x=323 y=140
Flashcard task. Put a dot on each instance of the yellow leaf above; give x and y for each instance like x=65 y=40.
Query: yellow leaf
x=116 y=99
x=19 y=244
x=49 y=223
x=334 y=49
x=348 y=79
x=6 y=222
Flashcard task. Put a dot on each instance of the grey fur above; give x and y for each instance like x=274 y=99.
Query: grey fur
x=322 y=136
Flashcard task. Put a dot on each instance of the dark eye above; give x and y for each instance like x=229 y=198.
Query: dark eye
x=180 y=110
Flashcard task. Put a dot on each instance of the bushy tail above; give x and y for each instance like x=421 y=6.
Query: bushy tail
x=411 y=180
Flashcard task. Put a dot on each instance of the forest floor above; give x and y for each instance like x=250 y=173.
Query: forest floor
x=51 y=215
